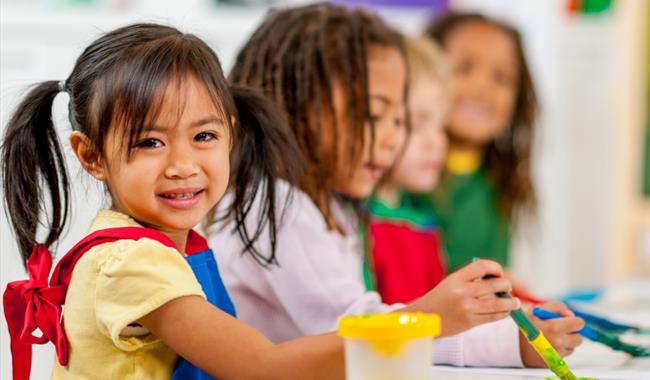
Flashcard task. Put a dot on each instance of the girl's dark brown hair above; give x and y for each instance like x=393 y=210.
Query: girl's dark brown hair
x=296 y=56
x=508 y=157
x=116 y=82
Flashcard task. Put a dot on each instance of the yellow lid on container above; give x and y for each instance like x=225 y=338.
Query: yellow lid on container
x=398 y=326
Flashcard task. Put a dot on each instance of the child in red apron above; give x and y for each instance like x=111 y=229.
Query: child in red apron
x=406 y=259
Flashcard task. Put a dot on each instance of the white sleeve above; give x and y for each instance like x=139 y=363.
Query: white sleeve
x=493 y=344
x=314 y=281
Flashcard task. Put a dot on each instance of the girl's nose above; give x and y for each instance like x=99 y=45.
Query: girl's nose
x=433 y=138
x=436 y=140
x=393 y=138
x=181 y=165
x=481 y=82
x=388 y=140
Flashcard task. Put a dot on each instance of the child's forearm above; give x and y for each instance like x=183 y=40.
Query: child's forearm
x=312 y=357
x=229 y=349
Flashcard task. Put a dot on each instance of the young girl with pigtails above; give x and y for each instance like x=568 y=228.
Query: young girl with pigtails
x=154 y=119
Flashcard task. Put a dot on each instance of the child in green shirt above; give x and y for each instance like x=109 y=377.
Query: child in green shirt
x=490 y=126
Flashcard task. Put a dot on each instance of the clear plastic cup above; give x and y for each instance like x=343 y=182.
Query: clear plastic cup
x=389 y=346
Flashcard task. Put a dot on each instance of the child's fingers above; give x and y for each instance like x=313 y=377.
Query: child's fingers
x=565 y=344
x=479 y=269
x=573 y=324
x=487 y=318
x=497 y=305
x=564 y=352
x=558 y=308
x=492 y=286
x=573 y=340
x=566 y=325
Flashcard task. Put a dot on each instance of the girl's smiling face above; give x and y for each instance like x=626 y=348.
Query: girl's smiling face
x=485 y=80
x=179 y=167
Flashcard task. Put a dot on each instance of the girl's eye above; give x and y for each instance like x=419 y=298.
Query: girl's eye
x=399 y=122
x=205 y=136
x=150 y=144
x=418 y=122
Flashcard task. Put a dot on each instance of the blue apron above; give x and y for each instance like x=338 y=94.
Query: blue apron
x=206 y=271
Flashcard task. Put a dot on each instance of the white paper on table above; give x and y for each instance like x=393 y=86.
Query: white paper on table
x=526 y=373
x=589 y=360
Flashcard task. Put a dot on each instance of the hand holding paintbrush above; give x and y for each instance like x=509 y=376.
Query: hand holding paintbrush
x=542 y=348
x=596 y=335
x=464 y=301
x=562 y=333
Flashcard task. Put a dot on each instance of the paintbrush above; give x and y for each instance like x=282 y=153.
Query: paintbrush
x=605 y=325
x=539 y=342
x=596 y=335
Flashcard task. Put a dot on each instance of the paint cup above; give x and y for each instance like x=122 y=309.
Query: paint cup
x=389 y=346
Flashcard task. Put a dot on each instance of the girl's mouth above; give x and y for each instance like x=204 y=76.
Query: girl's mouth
x=432 y=165
x=181 y=198
x=375 y=171
x=473 y=109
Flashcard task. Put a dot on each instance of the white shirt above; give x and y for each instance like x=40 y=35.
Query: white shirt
x=320 y=278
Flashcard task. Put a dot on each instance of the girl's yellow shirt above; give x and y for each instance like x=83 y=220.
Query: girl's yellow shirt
x=113 y=285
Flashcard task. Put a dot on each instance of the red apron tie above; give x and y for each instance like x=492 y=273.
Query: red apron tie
x=30 y=305
x=33 y=304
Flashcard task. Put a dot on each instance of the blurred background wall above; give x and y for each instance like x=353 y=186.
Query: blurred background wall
x=590 y=68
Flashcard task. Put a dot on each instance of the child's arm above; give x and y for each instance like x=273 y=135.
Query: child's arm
x=229 y=349
x=318 y=278
x=463 y=300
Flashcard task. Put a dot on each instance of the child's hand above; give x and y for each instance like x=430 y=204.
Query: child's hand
x=561 y=333
x=463 y=300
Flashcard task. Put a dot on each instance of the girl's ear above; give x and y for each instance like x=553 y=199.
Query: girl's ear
x=86 y=154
